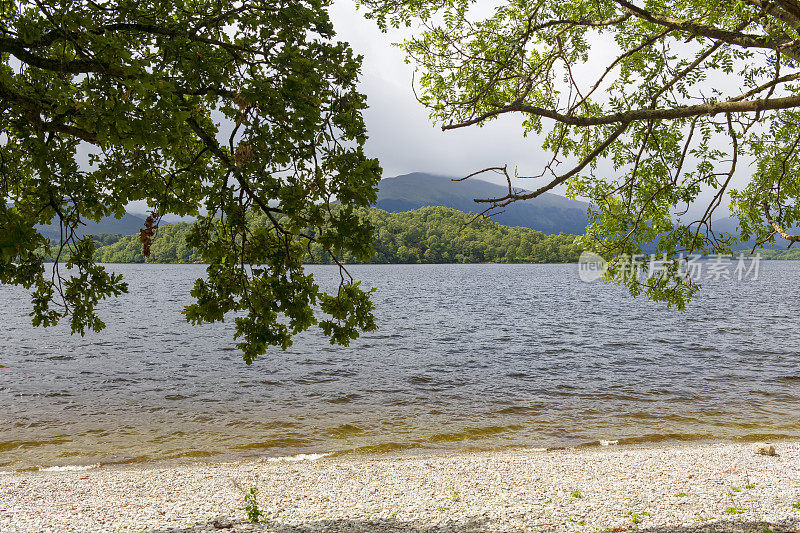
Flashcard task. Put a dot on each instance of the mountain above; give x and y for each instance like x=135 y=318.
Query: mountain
x=549 y=213
x=127 y=225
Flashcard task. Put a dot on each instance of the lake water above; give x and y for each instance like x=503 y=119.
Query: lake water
x=467 y=356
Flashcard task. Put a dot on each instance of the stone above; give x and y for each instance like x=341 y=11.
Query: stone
x=223 y=523
x=761 y=448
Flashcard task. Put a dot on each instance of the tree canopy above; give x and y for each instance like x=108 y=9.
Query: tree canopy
x=642 y=106
x=209 y=108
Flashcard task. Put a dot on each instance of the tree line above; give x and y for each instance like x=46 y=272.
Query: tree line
x=426 y=235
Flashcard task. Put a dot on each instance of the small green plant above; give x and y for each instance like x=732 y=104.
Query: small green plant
x=734 y=510
x=681 y=495
x=576 y=492
x=254 y=514
x=767 y=529
x=441 y=508
x=456 y=497
x=638 y=517
x=736 y=489
x=797 y=505
x=750 y=486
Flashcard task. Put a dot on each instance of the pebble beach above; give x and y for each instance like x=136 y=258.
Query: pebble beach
x=680 y=488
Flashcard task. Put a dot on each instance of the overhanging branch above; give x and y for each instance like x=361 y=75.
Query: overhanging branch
x=744 y=40
x=778 y=228
x=638 y=115
x=513 y=197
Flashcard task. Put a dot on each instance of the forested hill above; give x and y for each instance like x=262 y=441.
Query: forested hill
x=549 y=213
x=427 y=235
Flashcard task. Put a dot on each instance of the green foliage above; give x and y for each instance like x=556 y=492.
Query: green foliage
x=426 y=235
x=169 y=246
x=793 y=254
x=641 y=106
x=575 y=492
x=444 y=235
x=254 y=514
x=211 y=109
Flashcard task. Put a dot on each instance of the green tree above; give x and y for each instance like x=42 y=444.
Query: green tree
x=674 y=96
x=210 y=108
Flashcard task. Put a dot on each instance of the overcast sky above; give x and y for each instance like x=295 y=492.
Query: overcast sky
x=401 y=134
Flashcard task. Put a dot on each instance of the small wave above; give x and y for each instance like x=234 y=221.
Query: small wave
x=471 y=434
x=344 y=431
x=299 y=457
x=378 y=448
x=68 y=468
x=286 y=442
x=347 y=398
x=608 y=442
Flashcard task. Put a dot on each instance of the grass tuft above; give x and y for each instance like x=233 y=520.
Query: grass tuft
x=734 y=510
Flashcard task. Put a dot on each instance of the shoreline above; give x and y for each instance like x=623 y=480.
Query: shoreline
x=389 y=450
x=678 y=486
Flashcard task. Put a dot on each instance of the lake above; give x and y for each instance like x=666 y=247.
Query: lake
x=467 y=356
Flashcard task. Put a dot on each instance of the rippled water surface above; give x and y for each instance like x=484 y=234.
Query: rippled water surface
x=466 y=356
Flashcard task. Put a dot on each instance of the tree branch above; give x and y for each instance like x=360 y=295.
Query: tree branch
x=744 y=40
x=636 y=115
x=778 y=228
x=512 y=197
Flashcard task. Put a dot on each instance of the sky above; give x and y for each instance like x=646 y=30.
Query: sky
x=402 y=136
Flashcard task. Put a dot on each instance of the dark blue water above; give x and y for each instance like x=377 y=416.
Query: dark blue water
x=466 y=356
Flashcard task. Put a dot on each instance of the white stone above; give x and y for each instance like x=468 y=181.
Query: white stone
x=761 y=448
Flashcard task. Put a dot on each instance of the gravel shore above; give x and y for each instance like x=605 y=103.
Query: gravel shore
x=677 y=488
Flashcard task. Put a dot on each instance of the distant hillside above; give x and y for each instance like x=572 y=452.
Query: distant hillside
x=549 y=213
x=425 y=235
x=127 y=225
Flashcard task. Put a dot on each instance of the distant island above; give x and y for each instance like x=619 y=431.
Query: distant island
x=425 y=235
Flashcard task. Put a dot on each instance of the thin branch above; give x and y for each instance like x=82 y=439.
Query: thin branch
x=510 y=198
x=708 y=109
x=778 y=228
